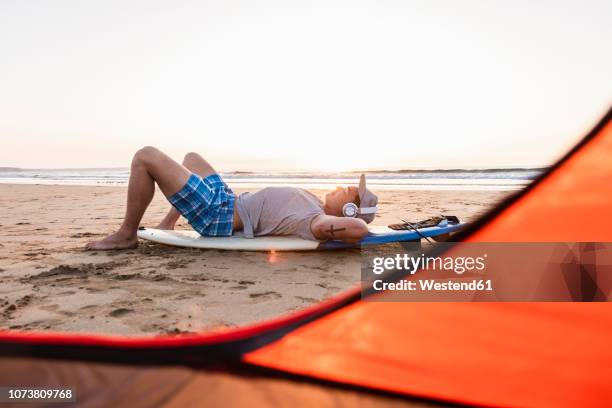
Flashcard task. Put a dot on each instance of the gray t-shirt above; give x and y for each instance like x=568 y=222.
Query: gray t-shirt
x=278 y=211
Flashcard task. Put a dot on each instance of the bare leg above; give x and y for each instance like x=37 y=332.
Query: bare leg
x=196 y=164
x=148 y=166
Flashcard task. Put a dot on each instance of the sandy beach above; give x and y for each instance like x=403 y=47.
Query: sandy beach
x=48 y=282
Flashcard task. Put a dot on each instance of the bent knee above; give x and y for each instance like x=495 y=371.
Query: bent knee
x=146 y=153
x=192 y=157
x=148 y=150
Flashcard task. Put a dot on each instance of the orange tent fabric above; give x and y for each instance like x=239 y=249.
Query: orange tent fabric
x=577 y=194
x=502 y=354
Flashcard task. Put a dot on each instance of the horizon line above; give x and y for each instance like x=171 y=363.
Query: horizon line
x=374 y=170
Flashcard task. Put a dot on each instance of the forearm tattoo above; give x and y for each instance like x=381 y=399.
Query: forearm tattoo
x=331 y=231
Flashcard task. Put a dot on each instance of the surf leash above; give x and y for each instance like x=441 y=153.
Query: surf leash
x=416 y=230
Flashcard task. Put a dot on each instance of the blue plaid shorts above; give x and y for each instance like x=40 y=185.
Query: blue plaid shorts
x=207 y=204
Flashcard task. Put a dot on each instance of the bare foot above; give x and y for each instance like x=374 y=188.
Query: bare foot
x=165 y=226
x=113 y=241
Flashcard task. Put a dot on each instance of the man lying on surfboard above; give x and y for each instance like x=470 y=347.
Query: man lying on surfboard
x=197 y=192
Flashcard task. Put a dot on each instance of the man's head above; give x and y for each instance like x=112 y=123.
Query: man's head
x=360 y=196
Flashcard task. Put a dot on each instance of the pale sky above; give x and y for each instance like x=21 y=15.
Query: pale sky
x=287 y=85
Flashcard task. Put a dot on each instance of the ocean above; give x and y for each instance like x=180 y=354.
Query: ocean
x=443 y=179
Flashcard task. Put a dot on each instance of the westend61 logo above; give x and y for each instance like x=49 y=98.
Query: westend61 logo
x=405 y=262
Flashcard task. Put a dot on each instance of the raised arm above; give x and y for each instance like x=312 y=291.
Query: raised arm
x=350 y=230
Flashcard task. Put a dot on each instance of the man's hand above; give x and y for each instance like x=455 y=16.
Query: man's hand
x=350 y=230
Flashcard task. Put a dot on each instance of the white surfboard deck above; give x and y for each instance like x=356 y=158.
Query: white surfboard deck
x=238 y=242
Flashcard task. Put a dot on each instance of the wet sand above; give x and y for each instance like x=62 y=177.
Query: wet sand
x=48 y=282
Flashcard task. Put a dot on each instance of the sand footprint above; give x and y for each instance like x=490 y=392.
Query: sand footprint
x=266 y=295
x=120 y=312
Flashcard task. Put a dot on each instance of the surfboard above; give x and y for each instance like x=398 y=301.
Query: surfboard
x=238 y=242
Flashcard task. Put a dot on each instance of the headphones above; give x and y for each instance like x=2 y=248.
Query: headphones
x=351 y=210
